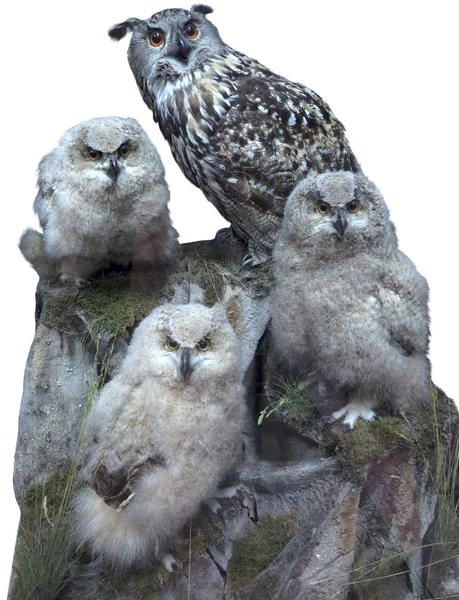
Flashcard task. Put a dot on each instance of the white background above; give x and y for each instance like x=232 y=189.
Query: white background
x=387 y=68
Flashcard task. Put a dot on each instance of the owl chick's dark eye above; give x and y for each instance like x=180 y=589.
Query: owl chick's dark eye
x=156 y=38
x=190 y=31
x=204 y=345
x=171 y=344
x=323 y=208
x=353 y=206
x=93 y=154
x=124 y=150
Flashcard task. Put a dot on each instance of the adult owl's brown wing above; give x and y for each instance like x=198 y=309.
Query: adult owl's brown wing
x=274 y=132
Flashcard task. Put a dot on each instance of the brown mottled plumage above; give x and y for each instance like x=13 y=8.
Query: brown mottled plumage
x=244 y=135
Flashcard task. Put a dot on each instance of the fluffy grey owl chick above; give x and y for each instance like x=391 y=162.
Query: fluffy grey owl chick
x=244 y=135
x=346 y=296
x=102 y=198
x=165 y=432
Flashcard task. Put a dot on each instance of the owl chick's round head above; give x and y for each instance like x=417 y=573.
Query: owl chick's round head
x=341 y=210
x=170 y=43
x=110 y=154
x=185 y=345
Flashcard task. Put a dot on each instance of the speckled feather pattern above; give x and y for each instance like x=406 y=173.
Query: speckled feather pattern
x=355 y=306
x=169 y=440
x=241 y=133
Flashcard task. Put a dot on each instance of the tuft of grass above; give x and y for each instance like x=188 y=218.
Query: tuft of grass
x=370 y=581
x=45 y=550
x=253 y=554
x=444 y=474
x=212 y=276
x=291 y=402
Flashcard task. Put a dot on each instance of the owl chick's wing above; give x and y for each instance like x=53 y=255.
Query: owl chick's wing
x=116 y=487
x=48 y=173
x=272 y=134
x=403 y=296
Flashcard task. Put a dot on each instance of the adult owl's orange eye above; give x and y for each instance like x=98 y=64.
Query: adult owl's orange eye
x=190 y=31
x=323 y=208
x=171 y=344
x=353 y=206
x=156 y=37
x=93 y=154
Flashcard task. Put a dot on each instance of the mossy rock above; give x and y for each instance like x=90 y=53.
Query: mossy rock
x=114 y=304
x=368 y=441
x=253 y=554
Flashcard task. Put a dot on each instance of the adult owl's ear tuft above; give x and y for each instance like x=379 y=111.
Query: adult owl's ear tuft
x=203 y=9
x=117 y=32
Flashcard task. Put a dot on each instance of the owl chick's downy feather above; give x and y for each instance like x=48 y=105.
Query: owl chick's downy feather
x=102 y=198
x=165 y=432
x=347 y=296
x=244 y=135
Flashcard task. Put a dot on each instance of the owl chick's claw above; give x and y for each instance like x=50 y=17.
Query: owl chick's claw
x=171 y=565
x=353 y=410
x=216 y=508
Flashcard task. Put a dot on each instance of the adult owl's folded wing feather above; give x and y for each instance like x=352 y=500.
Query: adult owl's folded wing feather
x=273 y=133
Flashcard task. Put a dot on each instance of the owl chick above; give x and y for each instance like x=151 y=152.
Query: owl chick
x=165 y=432
x=348 y=299
x=102 y=198
x=242 y=134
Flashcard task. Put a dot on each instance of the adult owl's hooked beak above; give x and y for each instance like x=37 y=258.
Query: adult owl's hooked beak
x=113 y=169
x=185 y=366
x=180 y=49
x=341 y=222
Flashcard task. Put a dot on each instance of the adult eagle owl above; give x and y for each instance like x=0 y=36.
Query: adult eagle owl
x=244 y=135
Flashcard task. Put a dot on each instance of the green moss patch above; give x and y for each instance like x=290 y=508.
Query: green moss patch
x=136 y=586
x=109 y=304
x=369 y=440
x=254 y=553
x=59 y=310
x=116 y=304
x=206 y=530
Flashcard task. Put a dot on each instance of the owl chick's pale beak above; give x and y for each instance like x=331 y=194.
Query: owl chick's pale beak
x=341 y=222
x=185 y=364
x=113 y=169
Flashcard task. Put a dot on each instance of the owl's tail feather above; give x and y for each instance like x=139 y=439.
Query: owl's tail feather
x=107 y=531
x=33 y=250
